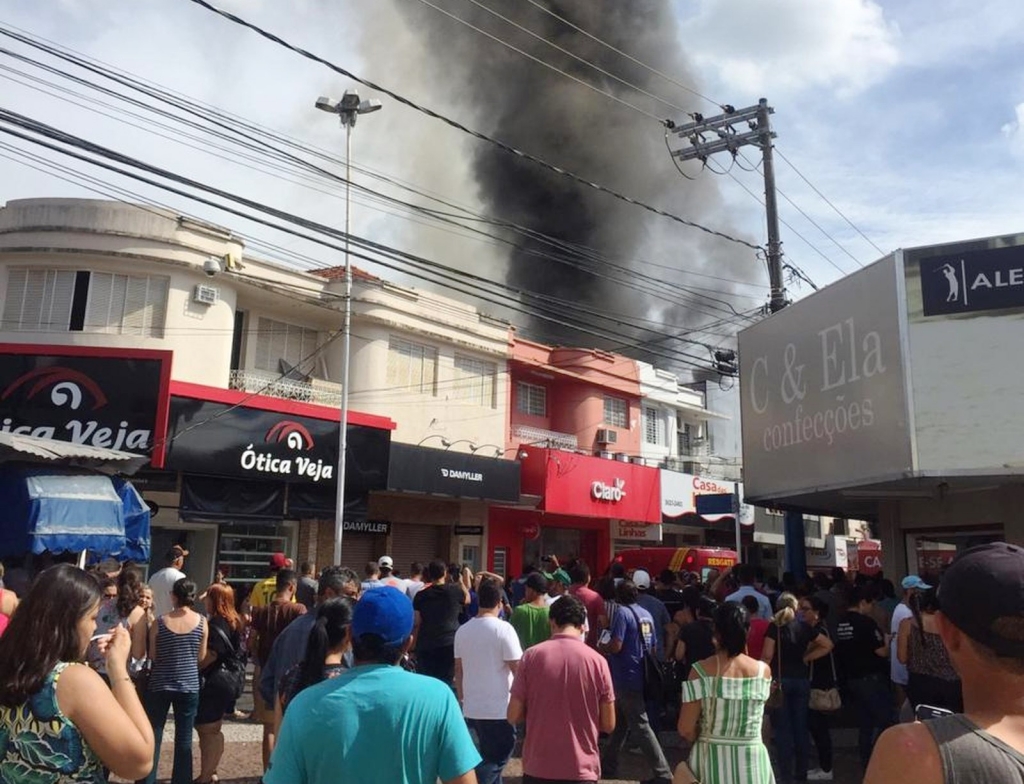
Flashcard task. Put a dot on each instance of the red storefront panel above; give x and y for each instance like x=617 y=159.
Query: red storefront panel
x=584 y=486
x=579 y=493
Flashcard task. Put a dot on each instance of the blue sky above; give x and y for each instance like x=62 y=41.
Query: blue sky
x=906 y=115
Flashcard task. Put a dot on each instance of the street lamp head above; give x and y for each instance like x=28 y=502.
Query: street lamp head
x=325 y=104
x=369 y=105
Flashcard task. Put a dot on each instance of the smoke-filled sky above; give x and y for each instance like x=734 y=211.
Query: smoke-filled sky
x=908 y=119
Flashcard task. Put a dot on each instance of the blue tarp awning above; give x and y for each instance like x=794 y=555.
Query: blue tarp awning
x=136 y=523
x=49 y=509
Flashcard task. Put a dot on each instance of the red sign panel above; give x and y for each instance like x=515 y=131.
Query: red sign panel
x=587 y=486
x=869 y=557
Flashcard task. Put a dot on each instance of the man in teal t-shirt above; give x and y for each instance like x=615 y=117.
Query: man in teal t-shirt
x=376 y=723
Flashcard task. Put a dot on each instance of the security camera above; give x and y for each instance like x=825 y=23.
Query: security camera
x=211 y=267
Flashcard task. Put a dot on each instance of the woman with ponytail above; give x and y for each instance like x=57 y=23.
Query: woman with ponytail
x=789 y=646
x=329 y=642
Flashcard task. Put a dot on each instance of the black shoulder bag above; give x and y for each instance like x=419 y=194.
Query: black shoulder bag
x=229 y=670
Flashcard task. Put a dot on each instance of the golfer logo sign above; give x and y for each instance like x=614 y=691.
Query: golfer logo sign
x=975 y=281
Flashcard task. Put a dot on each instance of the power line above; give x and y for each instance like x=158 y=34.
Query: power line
x=575 y=57
x=539 y=61
x=263 y=146
x=435 y=269
x=475 y=134
x=829 y=203
x=629 y=57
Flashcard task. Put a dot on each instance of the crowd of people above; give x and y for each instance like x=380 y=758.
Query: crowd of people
x=379 y=678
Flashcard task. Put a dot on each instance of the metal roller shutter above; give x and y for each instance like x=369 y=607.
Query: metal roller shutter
x=416 y=542
x=357 y=549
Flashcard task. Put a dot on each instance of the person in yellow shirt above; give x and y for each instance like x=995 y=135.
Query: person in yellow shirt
x=264 y=591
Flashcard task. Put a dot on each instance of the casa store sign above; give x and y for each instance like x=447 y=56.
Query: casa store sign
x=574 y=484
x=102 y=397
x=223 y=439
x=679 y=494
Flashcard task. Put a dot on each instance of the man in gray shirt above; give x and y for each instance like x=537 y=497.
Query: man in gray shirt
x=289 y=648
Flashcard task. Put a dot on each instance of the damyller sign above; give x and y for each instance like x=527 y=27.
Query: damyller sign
x=990 y=279
x=103 y=397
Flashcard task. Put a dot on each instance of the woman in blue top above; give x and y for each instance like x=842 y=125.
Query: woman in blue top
x=177 y=643
x=59 y=722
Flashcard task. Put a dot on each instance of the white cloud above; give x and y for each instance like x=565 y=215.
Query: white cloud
x=788 y=46
x=1013 y=132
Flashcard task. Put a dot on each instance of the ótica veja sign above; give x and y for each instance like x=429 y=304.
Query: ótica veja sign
x=108 y=398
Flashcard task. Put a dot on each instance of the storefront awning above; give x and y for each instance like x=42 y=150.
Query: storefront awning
x=421 y=469
x=26 y=448
x=60 y=511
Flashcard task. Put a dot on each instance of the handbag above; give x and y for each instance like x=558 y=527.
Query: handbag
x=776 y=697
x=656 y=680
x=683 y=774
x=228 y=671
x=826 y=700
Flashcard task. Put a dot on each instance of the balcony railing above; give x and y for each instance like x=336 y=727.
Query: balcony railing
x=263 y=382
x=550 y=438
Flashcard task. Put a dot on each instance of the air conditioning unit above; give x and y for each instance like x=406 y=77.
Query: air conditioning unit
x=205 y=295
x=605 y=455
x=622 y=457
x=606 y=436
x=637 y=461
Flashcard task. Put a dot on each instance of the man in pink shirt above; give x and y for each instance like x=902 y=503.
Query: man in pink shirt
x=563 y=690
x=579 y=573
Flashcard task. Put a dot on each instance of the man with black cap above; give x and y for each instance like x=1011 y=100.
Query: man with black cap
x=530 y=619
x=376 y=722
x=981 y=622
x=162 y=582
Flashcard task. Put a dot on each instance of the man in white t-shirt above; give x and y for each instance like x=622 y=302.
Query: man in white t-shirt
x=163 y=581
x=414 y=583
x=386 y=565
x=487 y=652
x=897 y=671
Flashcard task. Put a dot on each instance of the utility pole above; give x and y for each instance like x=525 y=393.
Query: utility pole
x=725 y=138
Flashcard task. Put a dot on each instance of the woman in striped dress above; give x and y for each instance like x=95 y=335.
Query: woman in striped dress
x=177 y=641
x=723 y=704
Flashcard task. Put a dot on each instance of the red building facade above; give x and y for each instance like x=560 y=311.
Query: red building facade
x=575 y=425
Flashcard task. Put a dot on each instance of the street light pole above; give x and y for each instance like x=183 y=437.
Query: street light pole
x=348 y=110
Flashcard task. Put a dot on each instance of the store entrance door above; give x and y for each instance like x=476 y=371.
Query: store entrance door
x=200 y=539
x=929 y=552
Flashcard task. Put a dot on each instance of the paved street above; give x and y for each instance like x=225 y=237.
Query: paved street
x=241 y=762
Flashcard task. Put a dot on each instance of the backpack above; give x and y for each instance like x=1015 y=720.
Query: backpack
x=228 y=671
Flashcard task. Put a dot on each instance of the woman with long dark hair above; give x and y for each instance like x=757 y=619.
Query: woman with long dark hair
x=177 y=643
x=329 y=641
x=932 y=679
x=221 y=668
x=59 y=721
x=723 y=705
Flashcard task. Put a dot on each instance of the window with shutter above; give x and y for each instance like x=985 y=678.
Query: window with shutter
x=38 y=300
x=127 y=304
x=474 y=381
x=412 y=366
x=279 y=341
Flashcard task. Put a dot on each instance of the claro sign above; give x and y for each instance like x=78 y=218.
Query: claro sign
x=822 y=384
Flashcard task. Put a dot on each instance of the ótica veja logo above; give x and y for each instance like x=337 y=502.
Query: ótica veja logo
x=269 y=460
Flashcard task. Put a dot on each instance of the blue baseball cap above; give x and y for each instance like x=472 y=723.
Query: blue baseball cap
x=913 y=581
x=386 y=612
